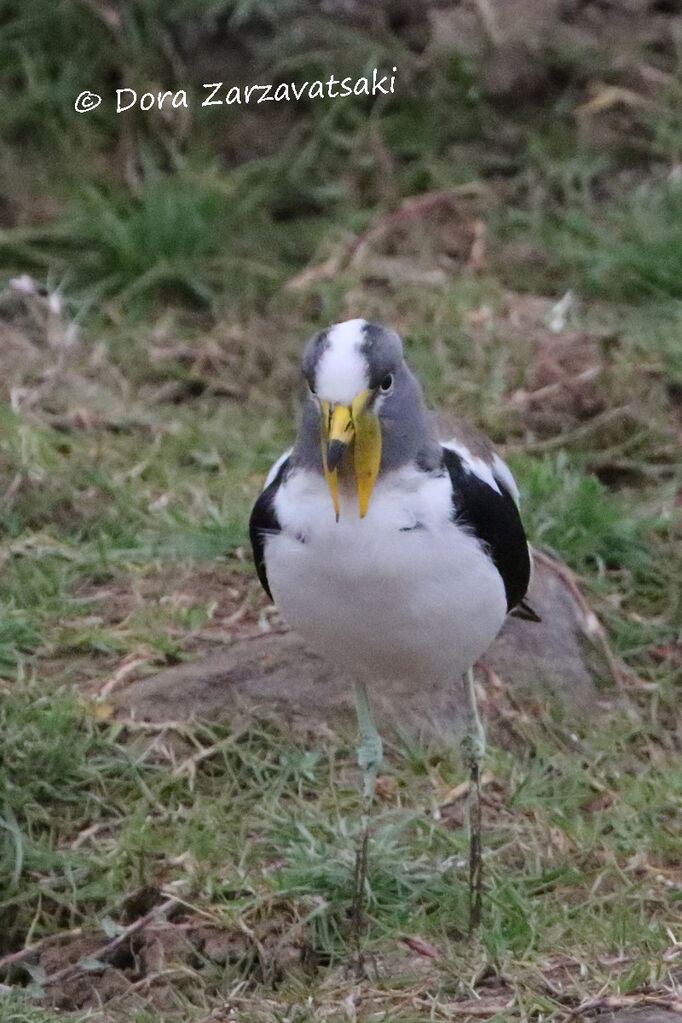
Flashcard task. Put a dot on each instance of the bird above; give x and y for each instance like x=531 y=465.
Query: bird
x=395 y=555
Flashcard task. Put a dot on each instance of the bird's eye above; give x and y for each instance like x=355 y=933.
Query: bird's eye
x=386 y=384
x=311 y=388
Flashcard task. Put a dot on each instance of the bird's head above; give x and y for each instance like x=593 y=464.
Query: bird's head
x=364 y=403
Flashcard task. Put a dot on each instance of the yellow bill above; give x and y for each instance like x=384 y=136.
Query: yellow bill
x=331 y=475
x=341 y=427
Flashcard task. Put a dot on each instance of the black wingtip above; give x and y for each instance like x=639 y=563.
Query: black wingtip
x=524 y=611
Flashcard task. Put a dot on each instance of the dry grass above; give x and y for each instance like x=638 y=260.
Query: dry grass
x=198 y=871
x=201 y=871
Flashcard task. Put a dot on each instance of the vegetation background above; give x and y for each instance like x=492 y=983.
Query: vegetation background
x=515 y=210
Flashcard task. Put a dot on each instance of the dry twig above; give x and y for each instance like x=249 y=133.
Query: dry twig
x=106 y=950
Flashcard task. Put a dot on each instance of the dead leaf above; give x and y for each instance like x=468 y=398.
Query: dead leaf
x=668 y=652
x=100 y=710
x=422 y=948
x=385 y=788
x=601 y=802
x=456 y=793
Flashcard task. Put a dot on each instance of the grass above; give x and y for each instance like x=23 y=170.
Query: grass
x=121 y=531
x=628 y=251
x=260 y=839
x=189 y=239
x=137 y=423
x=252 y=829
x=573 y=513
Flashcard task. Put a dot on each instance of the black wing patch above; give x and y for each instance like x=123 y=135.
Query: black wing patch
x=494 y=518
x=264 y=523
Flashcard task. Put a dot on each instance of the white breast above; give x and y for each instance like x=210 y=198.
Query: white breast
x=404 y=593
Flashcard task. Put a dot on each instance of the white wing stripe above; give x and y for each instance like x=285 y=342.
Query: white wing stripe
x=473 y=464
x=504 y=473
x=276 y=467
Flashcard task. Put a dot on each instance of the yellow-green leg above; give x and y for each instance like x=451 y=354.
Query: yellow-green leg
x=370 y=753
x=473 y=749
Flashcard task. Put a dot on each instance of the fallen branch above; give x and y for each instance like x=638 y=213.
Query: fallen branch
x=107 y=949
x=126 y=668
x=541 y=394
x=24 y=954
x=413 y=208
x=623 y=676
x=626 y=1002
